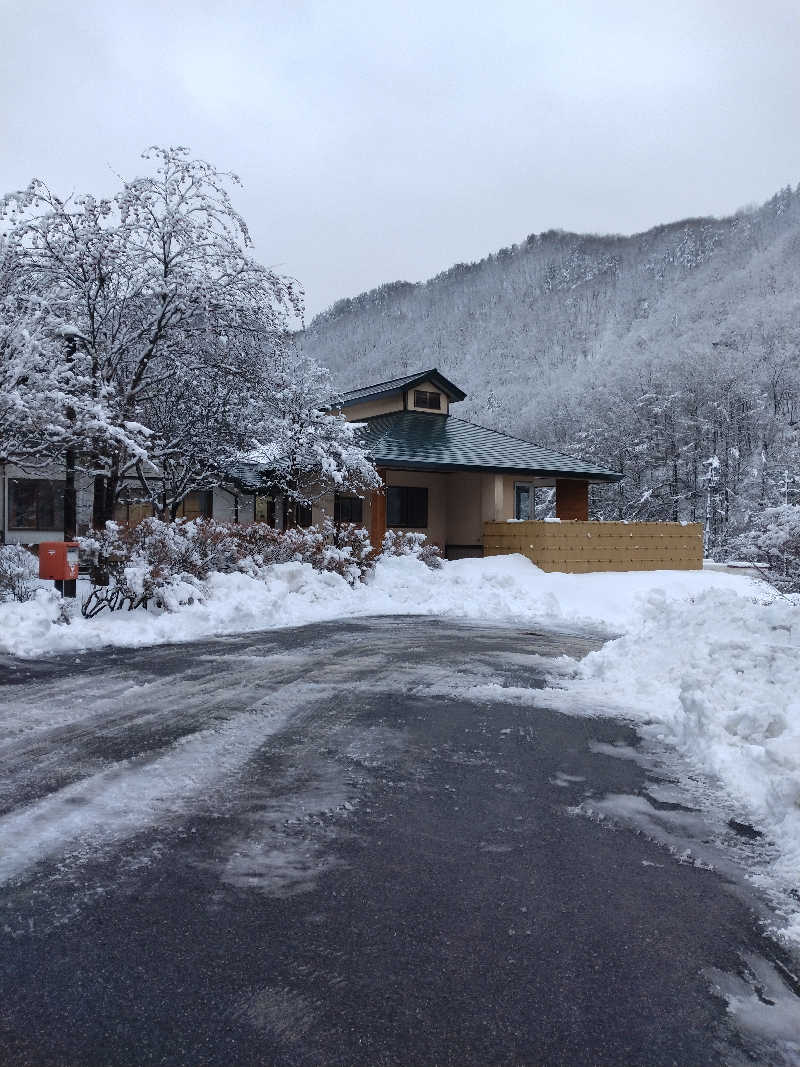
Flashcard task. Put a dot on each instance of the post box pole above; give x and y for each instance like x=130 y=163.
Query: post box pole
x=58 y=561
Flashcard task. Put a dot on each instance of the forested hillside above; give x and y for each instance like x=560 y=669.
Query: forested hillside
x=672 y=355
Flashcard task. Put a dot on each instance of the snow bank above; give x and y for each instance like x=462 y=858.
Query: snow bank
x=719 y=679
x=500 y=588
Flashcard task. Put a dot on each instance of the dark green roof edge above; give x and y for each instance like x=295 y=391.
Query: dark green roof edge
x=593 y=475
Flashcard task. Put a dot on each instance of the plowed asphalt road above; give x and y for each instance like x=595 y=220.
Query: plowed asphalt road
x=305 y=847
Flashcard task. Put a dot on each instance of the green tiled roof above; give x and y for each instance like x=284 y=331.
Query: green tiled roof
x=422 y=441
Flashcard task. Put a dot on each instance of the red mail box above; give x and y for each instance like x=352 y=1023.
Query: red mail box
x=58 y=560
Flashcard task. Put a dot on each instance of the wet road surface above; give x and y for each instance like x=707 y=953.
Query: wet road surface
x=313 y=846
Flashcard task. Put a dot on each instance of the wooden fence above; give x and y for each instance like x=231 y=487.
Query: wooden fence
x=580 y=547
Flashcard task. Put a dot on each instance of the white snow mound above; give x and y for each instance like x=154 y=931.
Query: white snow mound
x=499 y=588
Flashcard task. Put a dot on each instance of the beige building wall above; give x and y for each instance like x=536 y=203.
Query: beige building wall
x=382 y=405
x=323 y=509
x=435 y=531
x=463 y=508
x=459 y=503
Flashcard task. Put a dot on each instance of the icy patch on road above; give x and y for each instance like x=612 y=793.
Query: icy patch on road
x=566 y=781
x=285 y=845
x=684 y=833
x=280 y=1012
x=132 y=795
x=762 y=1006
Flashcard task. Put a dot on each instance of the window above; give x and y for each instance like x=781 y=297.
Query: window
x=302 y=515
x=35 y=504
x=130 y=509
x=524 y=501
x=264 y=510
x=407 y=506
x=424 y=399
x=348 y=509
x=196 y=506
x=132 y=512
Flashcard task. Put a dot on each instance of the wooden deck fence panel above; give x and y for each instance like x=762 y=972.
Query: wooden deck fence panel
x=581 y=547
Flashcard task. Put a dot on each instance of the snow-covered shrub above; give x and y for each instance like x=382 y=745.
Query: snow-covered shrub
x=347 y=550
x=344 y=549
x=158 y=560
x=167 y=562
x=774 y=540
x=193 y=547
x=18 y=573
x=397 y=543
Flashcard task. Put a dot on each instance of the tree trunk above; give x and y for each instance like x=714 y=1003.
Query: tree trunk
x=70 y=498
x=104 y=495
x=98 y=501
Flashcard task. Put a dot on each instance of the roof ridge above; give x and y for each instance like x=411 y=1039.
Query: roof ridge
x=390 y=381
x=392 y=385
x=525 y=441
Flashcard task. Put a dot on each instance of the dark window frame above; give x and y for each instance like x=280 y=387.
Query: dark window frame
x=424 y=398
x=405 y=505
x=531 y=490
x=348 y=509
x=50 y=509
x=270 y=508
x=303 y=515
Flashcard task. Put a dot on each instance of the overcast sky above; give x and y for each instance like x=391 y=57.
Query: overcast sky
x=379 y=140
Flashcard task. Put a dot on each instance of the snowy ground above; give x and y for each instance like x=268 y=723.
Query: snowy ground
x=501 y=588
x=706 y=661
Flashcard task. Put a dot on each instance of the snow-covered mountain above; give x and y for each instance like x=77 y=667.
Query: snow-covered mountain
x=671 y=354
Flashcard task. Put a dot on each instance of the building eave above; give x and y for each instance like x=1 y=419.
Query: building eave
x=609 y=477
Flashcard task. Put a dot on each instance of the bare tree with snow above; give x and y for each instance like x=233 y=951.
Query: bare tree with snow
x=180 y=338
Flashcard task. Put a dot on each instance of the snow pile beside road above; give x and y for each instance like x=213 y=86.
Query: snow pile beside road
x=500 y=588
x=718 y=679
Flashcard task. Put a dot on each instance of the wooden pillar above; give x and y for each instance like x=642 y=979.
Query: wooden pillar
x=377 y=514
x=572 y=499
